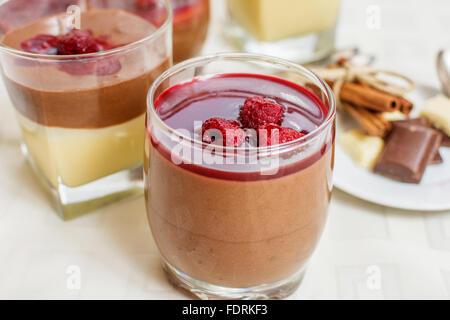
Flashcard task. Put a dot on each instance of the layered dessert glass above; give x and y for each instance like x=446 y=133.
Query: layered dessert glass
x=297 y=30
x=80 y=94
x=238 y=173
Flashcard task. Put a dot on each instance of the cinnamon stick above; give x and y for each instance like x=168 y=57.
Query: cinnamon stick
x=367 y=97
x=373 y=123
x=406 y=106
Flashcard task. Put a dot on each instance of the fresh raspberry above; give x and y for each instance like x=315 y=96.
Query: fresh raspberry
x=216 y=129
x=83 y=41
x=78 y=42
x=257 y=112
x=41 y=44
x=273 y=134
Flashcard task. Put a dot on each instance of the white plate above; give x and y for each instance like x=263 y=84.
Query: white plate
x=432 y=194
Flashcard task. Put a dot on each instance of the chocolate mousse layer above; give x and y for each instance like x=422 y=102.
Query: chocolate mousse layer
x=237 y=233
x=44 y=92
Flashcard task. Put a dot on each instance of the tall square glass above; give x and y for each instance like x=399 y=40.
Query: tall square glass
x=82 y=116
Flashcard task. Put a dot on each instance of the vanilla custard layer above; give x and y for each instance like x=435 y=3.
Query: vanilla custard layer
x=271 y=20
x=79 y=156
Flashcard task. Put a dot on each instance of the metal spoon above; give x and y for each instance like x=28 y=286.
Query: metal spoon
x=443 y=68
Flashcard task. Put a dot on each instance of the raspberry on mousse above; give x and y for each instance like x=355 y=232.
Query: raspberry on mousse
x=76 y=42
x=258 y=111
x=220 y=129
x=271 y=133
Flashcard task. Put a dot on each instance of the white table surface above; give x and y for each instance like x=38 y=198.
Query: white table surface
x=367 y=251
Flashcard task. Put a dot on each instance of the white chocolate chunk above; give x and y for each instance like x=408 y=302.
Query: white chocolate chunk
x=362 y=148
x=437 y=110
x=393 y=116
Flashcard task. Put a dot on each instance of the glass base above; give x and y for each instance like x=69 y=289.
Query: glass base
x=302 y=49
x=73 y=202
x=206 y=291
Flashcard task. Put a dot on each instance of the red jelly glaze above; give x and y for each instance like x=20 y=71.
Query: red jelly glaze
x=76 y=42
x=41 y=44
x=222 y=96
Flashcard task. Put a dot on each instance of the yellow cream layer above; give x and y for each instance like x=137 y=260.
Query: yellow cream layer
x=80 y=156
x=271 y=20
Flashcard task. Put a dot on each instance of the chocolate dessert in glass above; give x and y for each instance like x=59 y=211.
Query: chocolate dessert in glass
x=80 y=94
x=238 y=173
x=190 y=25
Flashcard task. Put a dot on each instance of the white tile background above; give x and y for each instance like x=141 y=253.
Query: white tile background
x=367 y=251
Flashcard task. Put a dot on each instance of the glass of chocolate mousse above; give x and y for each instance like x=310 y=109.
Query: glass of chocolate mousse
x=190 y=25
x=238 y=173
x=78 y=76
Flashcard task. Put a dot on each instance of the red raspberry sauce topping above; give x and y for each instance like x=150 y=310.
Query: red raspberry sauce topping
x=271 y=133
x=257 y=112
x=216 y=129
x=76 y=42
x=41 y=44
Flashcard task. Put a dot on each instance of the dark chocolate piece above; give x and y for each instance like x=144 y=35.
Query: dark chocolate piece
x=408 y=150
x=425 y=122
x=436 y=159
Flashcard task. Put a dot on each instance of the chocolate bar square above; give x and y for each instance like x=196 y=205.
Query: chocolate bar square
x=437 y=158
x=408 y=150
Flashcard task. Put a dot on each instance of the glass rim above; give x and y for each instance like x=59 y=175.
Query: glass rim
x=288 y=146
x=49 y=57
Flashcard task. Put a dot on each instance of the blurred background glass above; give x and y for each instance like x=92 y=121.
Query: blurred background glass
x=297 y=30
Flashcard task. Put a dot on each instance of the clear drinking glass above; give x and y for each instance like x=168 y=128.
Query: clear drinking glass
x=82 y=116
x=243 y=226
x=297 y=30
